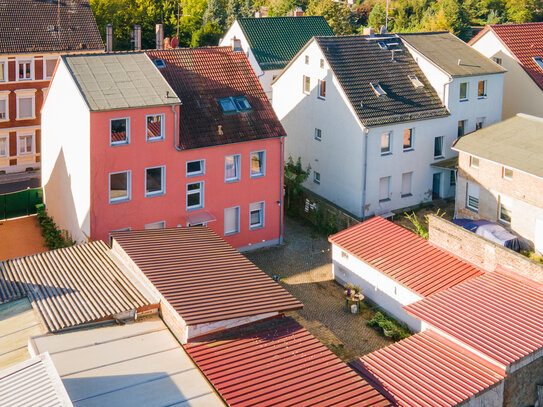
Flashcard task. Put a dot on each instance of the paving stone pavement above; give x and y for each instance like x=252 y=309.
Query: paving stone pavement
x=304 y=266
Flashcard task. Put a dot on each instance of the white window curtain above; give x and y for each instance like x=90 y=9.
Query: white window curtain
x=25 y=106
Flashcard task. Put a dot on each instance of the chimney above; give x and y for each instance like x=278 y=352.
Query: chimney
x=137 y=37
x=109 y=38
x=236 y=44
x=368 y=31
x=159 y=30
x=298 y=12
x=258 y=14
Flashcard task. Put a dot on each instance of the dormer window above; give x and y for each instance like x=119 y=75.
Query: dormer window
x=379 y=91
x=416 y=81
x=238 y=104
x=539 y=62
x=159 y=63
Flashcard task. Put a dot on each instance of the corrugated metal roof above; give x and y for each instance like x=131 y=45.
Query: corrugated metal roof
x=403 y=256
x=203 y=277
x=500 y=314
x=71 y=286
x=34 y=382
x=119 y=81
x=428 y=370
x=137 y=364
x=279 y=363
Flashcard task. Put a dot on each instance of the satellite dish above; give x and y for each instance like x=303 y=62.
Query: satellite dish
x=175 y=42
x=383 y=30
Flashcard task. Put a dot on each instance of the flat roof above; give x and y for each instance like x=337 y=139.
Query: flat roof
x=516 y=142
x=429 y=370
x=279 y=363
x=137 y=364
x=499 y=314
x=73 y=286
x=201 y=276
x=33 y=382
x=119 y=81
x=451 y=54
x=403 y=256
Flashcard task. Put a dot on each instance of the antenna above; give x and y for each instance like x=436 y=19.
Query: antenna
x=387 y=18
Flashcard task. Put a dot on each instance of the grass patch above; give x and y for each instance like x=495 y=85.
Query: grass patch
x=531 y=255
x=55 y=238
x=388 y=326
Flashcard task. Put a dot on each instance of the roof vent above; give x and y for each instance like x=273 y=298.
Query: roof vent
x=159 y=63
x=379 y=91
x=415 y=81
x=459 y=62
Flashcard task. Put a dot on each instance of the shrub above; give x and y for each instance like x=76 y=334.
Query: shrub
x=388 y=326
x=54 y=237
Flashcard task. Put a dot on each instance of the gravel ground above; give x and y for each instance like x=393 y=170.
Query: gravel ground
x=304 y=266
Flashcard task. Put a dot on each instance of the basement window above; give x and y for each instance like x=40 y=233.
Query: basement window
x=415 y=81
x=379 y=91
x=159 y=63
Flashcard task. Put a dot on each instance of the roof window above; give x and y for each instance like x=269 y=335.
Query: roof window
x=236 y=104
x=415 y=81
x=242 y=104
x=159 y=63
x=379 y=91
x=539 y=61
x=382 y=45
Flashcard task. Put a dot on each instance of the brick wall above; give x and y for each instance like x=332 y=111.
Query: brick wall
x=480 y=251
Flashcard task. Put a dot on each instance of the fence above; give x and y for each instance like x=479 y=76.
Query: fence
x=22 y=203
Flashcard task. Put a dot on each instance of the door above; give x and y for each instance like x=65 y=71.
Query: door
x=436 y=186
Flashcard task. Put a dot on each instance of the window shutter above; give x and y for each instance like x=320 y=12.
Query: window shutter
x=25 y=107
x=383 y=188
x=230 y=220
x=406 y=183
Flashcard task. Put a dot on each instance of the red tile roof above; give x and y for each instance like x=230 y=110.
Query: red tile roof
x=202 y=277
x=499 y=314
x=279 y=363
x=525 y=41
x=428 y=370
x=199 y=76
x=403 y=256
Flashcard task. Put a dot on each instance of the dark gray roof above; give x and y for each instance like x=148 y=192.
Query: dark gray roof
x=120 y=81
x=33 y=26
x=516 y=142
x=357 y=61
x=446 y=50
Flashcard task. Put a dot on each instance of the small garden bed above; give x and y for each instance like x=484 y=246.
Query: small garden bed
x=54 y=237
x=388 y=326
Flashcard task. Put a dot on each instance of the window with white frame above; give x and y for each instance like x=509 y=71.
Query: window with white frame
x=408 y=135
x=196 y=167
x=195 y=195
x=25 y=105
x=384 y=189
x=119 y=186
x=463 y=91
x=306 y=84
x=155 y=181
x=25 y=70
x=316 y=177
x=232 y=168
x=119 y=131
x=25 y=143
x=231 y=220
x=4 y=106
x=438 y=147
x=406 y=184
x=322 y=89
x=318 y=134
x=472 y=196
x=507 y=173
x=386 y=143
x=49 y=65
x=4 y=146
x=258 y=164
x=156 y=225
x=505 y=207
x=481 y=89
x=155 y=127
x=256 y=215
x=3 y=71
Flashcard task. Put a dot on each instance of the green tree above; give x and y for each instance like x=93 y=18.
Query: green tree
x=295 y=175
x=214 y=14
x=232 y=11
x=207 y=35
x=377 y=17
x=336 y=14
x=247 y=9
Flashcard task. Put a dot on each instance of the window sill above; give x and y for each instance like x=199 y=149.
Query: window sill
x=153 y=194
x=256 y=227
x=196 y=174
x=321 y=98
x=481 y=97
x=406 y=195
x=23 y=154
x=439 y=157
x=464 y=100
x=194 y=208
x=406 y=150
x=231 y=233
x=229 y=181
x=26 y=118
x=471 y=209
x=306 y=93
x=119 y=144
x=258 y=175
x=506 y=223
x=317 y=139
x=119 y=201
x=151 y=140
x=385 y=154
x=384 y=200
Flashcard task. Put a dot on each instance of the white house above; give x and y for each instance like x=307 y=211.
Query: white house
x=373 y=126
x=394 y=267
x=271 y=42
x=516 y=47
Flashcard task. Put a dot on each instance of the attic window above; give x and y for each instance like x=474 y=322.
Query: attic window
x=382 y=45
x=242 y=104
x=159 y=63
x=227 y=105
x=377 y=89
x=539 y=61
x=238 y=104
x=416 y=81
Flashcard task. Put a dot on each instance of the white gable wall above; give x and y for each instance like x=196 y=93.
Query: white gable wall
x=66 y=164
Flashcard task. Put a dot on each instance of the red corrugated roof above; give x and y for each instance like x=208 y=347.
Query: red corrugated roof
x=279 y=363
x=403 y=256
x=525 y=41
x=199 y=76
x=497 y=314
x=203 y=277
x=428 y=370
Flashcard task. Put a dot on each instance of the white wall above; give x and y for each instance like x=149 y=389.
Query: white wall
x=382 y=290
x=66 y=155
x=521 y=93
x=338 y=157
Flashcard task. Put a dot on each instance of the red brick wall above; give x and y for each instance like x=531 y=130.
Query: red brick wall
x=480 y=251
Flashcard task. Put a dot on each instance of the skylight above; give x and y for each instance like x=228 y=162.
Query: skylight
x=416 y=81
x=242 y=104
x=159 y=63
x=227 y=105
x=379 y=91
x=237 y=104
x=382 y=45
x=539 y=61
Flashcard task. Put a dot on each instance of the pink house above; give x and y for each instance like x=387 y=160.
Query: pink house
x=162 y=139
